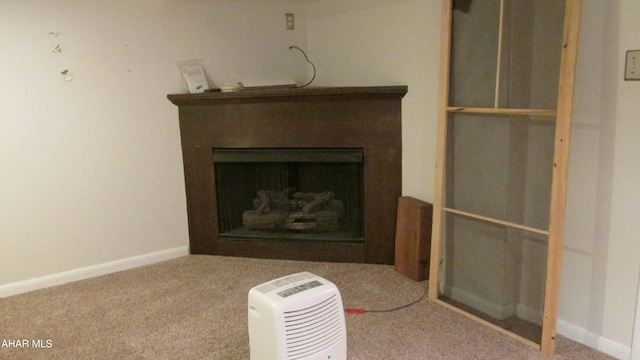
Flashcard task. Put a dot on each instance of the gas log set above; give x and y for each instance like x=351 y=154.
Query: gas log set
x=296 y=211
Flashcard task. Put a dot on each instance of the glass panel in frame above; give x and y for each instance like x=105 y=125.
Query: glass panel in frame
x=474 y=50
x=531 y=49
x=495 y=273
x=516 y=44
x=500 y=166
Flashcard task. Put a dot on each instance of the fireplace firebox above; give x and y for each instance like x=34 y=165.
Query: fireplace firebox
x=304 y=174
x=290 y=194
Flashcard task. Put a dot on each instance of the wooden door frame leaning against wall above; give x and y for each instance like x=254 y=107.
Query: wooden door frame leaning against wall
x=562 y=114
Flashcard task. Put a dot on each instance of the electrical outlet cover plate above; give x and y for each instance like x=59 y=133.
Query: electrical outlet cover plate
x=290 y=21
x=632 y=65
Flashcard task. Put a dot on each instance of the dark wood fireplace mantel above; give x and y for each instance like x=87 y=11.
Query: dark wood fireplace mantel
x=367 y=118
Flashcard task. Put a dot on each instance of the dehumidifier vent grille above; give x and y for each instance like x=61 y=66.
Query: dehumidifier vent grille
x=312 y=329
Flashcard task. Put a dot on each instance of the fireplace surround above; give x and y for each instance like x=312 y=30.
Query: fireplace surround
x=357 y=120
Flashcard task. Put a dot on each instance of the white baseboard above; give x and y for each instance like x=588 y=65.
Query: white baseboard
x=594 y=341
x=91 y=271
x=564 y=328
x=531 y=315
x=496 y=311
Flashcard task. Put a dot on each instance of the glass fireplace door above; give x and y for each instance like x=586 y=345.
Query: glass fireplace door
x=289 y=194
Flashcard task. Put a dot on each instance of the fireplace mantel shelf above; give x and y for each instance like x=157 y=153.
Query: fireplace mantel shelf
x=366 y=118
x=258 y=95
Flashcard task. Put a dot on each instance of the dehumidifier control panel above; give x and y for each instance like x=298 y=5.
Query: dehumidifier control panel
x=300 y=288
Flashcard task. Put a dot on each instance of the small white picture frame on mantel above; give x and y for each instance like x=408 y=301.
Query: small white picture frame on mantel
x=195 y=77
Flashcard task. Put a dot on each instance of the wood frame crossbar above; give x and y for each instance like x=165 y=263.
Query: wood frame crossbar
x=496 y=221
x=503 y=111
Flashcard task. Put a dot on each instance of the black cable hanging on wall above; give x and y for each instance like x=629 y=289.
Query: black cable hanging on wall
x=309 y=61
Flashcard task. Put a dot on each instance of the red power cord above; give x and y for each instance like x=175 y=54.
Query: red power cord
x=354 y=311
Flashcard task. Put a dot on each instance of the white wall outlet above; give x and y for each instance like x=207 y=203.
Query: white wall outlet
x=289 y=19
x=632 y=65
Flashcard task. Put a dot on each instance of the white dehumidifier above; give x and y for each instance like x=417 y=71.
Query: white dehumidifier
x=297 y=317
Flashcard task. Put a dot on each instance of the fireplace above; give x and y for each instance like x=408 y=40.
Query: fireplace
x=305 y=174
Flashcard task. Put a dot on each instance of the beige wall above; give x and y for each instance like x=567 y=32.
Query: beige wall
x=91 y=169
x=360 y=42
x=623 y=262
x=600 y=270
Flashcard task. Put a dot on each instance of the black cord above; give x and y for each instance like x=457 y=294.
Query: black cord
x=362 y=311
x=309 y=61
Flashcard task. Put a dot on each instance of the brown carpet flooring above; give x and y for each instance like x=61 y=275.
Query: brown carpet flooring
x=195 y=308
